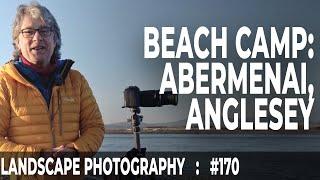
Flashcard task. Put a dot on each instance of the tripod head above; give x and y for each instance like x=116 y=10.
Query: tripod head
x=136 y=119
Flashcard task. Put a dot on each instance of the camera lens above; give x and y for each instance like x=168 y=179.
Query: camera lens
x=152 y=98
x=168 y=98
x=133 y=97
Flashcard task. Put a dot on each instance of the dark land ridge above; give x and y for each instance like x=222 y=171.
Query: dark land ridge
x=178 y=127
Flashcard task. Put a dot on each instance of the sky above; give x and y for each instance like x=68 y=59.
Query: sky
x=105 y=38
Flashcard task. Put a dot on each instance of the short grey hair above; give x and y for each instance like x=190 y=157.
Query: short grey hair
x=35 y=10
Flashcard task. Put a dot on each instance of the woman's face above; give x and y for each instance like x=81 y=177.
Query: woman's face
x=36 y=41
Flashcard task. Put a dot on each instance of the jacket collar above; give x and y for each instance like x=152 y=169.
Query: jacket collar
x=10 y=69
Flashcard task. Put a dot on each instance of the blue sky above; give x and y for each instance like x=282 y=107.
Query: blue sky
x=105 y=38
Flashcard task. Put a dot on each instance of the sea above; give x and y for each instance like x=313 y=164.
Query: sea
x=214 y=142
x=259 y=156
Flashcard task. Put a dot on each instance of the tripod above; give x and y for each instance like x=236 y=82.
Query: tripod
x=136 y=119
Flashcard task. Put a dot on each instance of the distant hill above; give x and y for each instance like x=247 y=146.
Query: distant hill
x=124 y=125
x=181 y=124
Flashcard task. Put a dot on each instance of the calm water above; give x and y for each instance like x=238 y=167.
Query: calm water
x=213 y=142
x=254 y=165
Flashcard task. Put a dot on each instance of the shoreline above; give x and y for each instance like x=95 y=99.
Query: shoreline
x=197 y=131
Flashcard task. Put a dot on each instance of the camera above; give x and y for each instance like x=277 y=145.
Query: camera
x=133 y=98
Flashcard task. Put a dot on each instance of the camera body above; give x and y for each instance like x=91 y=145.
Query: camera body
x=134 y=98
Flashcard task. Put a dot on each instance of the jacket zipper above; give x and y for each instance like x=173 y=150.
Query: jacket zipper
x=60 y=111
x=50 y=114
x=54 y=143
